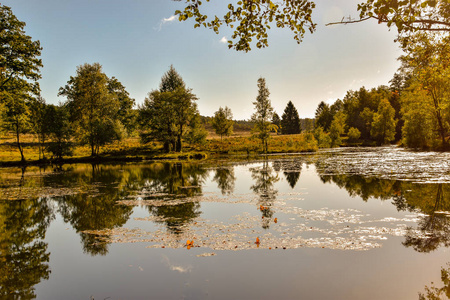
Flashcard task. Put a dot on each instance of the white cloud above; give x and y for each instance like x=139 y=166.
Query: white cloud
x=166 y=20
x=174 y=267
x=170 y=19
x=224 y=40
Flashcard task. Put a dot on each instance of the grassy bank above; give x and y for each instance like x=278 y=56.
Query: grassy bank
x=131 y=149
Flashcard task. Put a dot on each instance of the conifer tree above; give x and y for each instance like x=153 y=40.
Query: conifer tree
x=290 y=121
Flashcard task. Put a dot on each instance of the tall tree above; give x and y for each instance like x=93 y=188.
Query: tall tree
x=427 y=59
x=19 y=57
x=59 y=130
x=169 y=114
x=290 y=121
x=263 y=115
x=19 y=72
x=16 y=117
x=125 y=114
x=37 y=120
x=323 y=116
x=383 y=126
x=418 y=114
x=93 y=108
x=276 y=121
x=337 y=128
x=222 y=122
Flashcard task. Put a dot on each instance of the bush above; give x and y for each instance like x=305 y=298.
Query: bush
x=353 y=134
x=323 y=138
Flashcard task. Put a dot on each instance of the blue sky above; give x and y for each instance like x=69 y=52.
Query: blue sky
x=137 y=40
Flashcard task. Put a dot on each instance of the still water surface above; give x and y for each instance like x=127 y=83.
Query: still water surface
x=341 y=224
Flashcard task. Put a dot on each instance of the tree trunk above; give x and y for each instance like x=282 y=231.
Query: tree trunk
x=179 y=144
x=441 y=129
x=166 y=146
x=92 y=148
x=19 y=145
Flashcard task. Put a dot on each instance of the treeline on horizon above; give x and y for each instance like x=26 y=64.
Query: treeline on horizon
x=413 y=111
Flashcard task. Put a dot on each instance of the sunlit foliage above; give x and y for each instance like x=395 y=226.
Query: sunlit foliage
x=93 y=107
x=222 y=122
x=170 y=114
x=263 y=114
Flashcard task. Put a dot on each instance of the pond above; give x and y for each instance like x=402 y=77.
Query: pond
x=350 y=223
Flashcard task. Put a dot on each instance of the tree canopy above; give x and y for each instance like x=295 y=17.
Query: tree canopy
x=19 y=73
x=251 y=19
x=222 y=122
x=93 y=108
x=19 y=57
x=170 y=114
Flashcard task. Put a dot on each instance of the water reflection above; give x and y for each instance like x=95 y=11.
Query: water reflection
x=170 y=181
x=432 y=201
x=97 y=209
x=291 y=170
x=95 y=198
x=224 y=176
x=433 y=292
x=23 y=253
x=433 y=229
x=264 y=180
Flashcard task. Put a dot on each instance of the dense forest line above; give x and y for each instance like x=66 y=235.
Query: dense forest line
x=412 y=111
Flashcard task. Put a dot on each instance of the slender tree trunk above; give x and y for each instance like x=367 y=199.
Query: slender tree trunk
x=441 y=129
x=92 y=148
x=19 y=145
x=43 y=147
x=167 y=146
x=179 y=144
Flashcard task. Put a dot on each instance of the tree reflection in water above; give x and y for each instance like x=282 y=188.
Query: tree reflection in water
x=431 y=200
x=170 y=181
x=433 y=227
x=225 y=179
x=23 y=254
x=434 y=293
x=264 y=179
x=95 y=210
x=291 y=170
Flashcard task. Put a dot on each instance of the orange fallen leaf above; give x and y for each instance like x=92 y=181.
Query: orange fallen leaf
x=275 y=220
x=257 y=241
